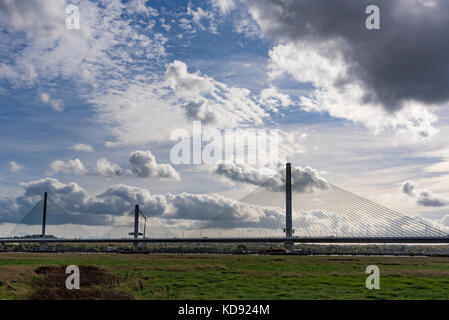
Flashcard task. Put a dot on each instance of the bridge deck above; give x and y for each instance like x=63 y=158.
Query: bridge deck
x=242 y=240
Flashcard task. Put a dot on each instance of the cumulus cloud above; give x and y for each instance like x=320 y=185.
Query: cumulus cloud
x=74 y=166
x=54 y=186
x=423 y=197
x=336 y=94
x=14 y=166
x=118 y=200
x=108 y=169
x=303 y=179
x=81 y=147
x=178 y=77
x=402 y=72
x=143 y=164
x=428 y=199
x=186 y=210
x=197 y=111
x=408 y=188
x=326 y=44
x=197 y=206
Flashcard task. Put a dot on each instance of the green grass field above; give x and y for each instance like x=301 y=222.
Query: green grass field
x=239 y=276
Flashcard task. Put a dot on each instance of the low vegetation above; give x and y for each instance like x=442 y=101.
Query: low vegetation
x=138 y=276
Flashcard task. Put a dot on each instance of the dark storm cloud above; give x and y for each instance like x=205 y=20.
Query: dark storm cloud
x=407 y=59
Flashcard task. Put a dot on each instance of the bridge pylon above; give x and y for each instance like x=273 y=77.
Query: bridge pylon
x=44 y=220
x=136 y=226
x=288 y=207
x=288 y=202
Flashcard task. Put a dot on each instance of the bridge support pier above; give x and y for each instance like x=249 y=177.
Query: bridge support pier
x=136 y=227
x=288 y=245
x=43 y=245
x=288 y=202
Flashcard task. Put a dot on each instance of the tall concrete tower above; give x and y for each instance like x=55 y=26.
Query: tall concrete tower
x=44 y=215
x=136 y=221
x=288 y=201
x=136 y=226
x=44 y=221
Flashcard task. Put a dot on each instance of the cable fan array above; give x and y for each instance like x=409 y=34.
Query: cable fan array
x=328 y=211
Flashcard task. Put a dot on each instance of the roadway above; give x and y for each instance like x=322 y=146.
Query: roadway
x=354 y=240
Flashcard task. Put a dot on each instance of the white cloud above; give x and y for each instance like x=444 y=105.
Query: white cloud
x=224 y=6
x=54 y=104
x=74 y=166
x=108 y=169
x=14 y=166
x=323 y=66
x=45 y=97
x=198 y=111
x=143 y=164
x=36 y=18
x=155 y=109
x=71 y=54
x=303 y=179
x=116 y=71
x=185 y=83
x=140 y=6
x=199 y=15
x=81 y=147
x=185 y=210
x=150 y=114
x=43 y=22
x=272 y=99
x=120 y=199
x=230 y=106
x=164 y=25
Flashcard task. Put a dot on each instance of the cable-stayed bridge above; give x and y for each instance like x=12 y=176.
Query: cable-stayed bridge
x=280 y=210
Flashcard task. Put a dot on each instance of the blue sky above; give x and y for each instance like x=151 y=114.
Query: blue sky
x=120 y=84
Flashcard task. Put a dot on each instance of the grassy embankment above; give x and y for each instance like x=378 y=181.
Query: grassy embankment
x=235 y=277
